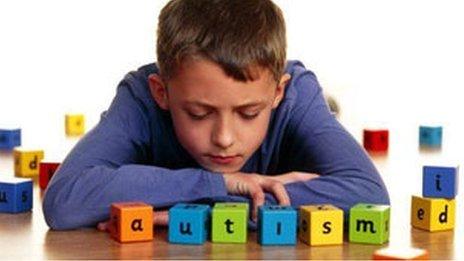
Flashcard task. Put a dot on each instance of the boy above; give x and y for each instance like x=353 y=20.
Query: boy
x=221 y=117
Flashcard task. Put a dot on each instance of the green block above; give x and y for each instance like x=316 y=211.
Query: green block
x=229 y=223
x=369 y=223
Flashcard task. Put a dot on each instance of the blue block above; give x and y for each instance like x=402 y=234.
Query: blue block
x=188 y=223
x=440 y=182
x=10 y=138
x=430 y=136
x=15 y=195
x=277 y=225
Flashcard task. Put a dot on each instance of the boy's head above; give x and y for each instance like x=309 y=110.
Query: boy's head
x=221 y=73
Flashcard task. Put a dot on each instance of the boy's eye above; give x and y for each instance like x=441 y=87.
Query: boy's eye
x=198 y=116
x=249 y=116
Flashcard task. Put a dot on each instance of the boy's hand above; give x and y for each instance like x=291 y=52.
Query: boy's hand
x=294 y=176
x=160 y=218
x=254 y=186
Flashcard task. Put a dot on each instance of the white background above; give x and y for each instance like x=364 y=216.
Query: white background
x=395 y=64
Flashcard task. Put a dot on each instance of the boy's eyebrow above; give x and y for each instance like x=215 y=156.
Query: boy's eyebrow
x=245 y=105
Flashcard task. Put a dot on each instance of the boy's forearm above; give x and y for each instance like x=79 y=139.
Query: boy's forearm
x=83 y=199
x=342 y=191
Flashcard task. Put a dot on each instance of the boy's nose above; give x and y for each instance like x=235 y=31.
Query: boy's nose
x=222 y=135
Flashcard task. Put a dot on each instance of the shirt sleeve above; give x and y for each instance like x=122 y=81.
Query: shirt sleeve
x=319 y=144
x=109 y=164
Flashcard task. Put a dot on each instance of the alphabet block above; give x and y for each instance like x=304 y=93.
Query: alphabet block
x=400 y=253
x=321 y=225
x=15 y=195
x=131 y=222
x=229 y=223
x=74 y=124
x=432 y=214
x=27 y=162
x=430 y=136
x=277 y=225
x=375 y=140
x=189 y=223
x=369 y=223
x=10 y=138
x=439 y=182
x=46 y=171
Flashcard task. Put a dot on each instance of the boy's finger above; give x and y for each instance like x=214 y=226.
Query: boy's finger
x=257 y=197
x=278 y=190
x=161 y=218
x=103 y=226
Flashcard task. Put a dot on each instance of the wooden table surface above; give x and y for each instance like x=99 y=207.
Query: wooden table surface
x=26 y=236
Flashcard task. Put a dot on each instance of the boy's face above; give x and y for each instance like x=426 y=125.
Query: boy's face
x=220 y=121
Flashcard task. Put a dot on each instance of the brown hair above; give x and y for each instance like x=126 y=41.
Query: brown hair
x=238 y=35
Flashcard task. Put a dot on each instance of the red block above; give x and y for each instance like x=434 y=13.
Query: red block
x=46 y=171
x=375 y=140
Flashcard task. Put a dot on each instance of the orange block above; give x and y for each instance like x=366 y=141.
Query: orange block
x=403 y=253
x=131 y=222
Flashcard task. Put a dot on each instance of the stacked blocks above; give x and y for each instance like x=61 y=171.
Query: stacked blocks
x=369 y=223
x=46 y=171
x=131 y=222
x=15 y=195
x=74 y=124
x=403 y=253
x=435 y=211
x=430 y=136
x=277 y=225
x=375 y=140
x=229 y=223
x=27 y=162
x=188 y=223
x=321 y=225
x=10 y=138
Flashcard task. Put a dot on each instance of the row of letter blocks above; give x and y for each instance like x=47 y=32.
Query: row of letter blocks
x=277 y=225
x=376 y=140
x=435 y=210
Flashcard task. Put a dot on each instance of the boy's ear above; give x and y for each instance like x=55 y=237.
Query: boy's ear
x=158 y=91
x=280 y=90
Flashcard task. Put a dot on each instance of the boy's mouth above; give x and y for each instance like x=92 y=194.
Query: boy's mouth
x=223 y=160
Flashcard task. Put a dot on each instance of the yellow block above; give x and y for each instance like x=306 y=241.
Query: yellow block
x=131 y=221
x=433 y=214
x=27 y=162
x=321 y=225
x=74 y=124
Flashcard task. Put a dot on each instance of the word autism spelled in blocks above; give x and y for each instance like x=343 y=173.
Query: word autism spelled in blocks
x=46 y=171
x=74 y=124
x=439 y=182
x=10 y=138
x=369 y=223
x=189 y=223
x=432 y=214
x=131 y=222
x=15 y=195
x=277 y=225
x=27 y=162
x=321 y=225
x=430 y=136
x=400 y=253
x=375 y=140
x=229 y=223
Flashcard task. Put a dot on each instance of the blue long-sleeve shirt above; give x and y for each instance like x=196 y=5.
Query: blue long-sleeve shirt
x=133 y=155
